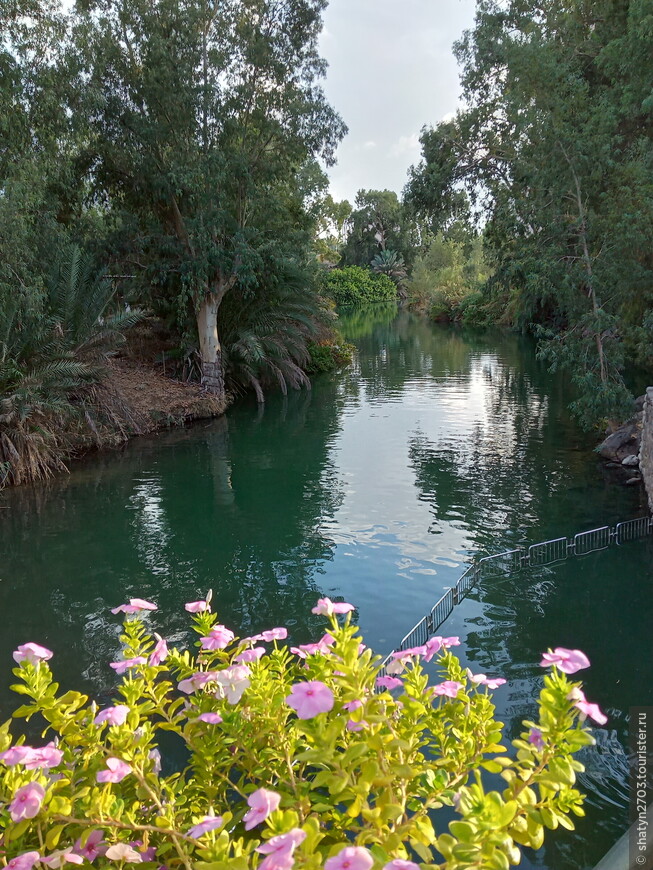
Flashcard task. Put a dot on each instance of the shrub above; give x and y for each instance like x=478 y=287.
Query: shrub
x=300 y=756
x=353 y=285
x=326 y=356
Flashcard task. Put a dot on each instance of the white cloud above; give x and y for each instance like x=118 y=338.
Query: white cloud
x=406 y=146
x=391 y=72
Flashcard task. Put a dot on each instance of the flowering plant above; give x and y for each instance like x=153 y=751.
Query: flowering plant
x=310 y=756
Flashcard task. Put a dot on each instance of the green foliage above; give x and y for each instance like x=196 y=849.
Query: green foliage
x=555 y=148
x=329 y=355
x=268 y=333
x=446 y=280
x=379 y=221
x=353 y=285
x=361 y=767
x=51 y=356
x=391 y=264
x=207 y=144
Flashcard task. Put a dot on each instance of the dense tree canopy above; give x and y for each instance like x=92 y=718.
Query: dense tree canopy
x=204 y=115
x=554 y=149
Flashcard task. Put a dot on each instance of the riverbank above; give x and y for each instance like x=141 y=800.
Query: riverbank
x=154 y=401
x=133 y=398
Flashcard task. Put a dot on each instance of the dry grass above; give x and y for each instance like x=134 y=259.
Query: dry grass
x=133 y=399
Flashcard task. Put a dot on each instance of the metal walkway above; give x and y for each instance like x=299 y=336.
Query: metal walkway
x=511 y=561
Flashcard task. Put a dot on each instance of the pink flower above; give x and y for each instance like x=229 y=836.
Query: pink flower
x=356 y=726
x=535 y=738
x=326 y=607
x=400 y=864
x=123 y=852
x=44 y=757
x=280 y=850
x=93 y=846
x=405 y=654
x=232 y=682
x=350 y=706
x=449 y=688
x=388 y=682
x=27 y=801
x=211 y=718
x=61 y=857
x=208 y=823
x=32 y=653
x=197 y=606
x=24 y=861
x=262 y=802
x=271 y=634
x=197 y=681
x=312 y=649
x=581 y=703
x=159 y=653
x=350 y=858
x=134 y=606
x=593 y=711
x=309 y=699
x=126 y=664
x=116 y=772
x=16 y=755
x=219 y=638
x=568 y=660
x=450 y=641
x=147 y=854
x=113 y=715
x=495 y=682
x=481 y=679
x=250 y=655
x=432 y=646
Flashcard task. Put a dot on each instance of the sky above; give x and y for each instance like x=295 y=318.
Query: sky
x=391 y=71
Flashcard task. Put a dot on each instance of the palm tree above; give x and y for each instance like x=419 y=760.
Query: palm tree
x=391 y=264
x=52 y=359
x=266 y=334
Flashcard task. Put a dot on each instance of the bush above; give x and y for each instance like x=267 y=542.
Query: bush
x=353 y=285
x=299 y=756
x=326 y=356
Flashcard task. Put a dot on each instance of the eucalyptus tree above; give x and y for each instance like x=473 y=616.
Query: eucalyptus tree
x=35 y=144
x=203 y=114
x=554 y=148
x=378 y=222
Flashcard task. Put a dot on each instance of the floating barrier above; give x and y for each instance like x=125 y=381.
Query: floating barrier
x=511 y=561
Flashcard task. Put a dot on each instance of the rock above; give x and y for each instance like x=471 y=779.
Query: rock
x=613 y=465
x=639 y=403
x=623 y=442
x=630 y=461
x=632 y=481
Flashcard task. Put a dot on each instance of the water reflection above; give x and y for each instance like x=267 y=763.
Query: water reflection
x=376 y=485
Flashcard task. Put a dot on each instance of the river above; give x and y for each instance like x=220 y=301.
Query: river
x=376 y=485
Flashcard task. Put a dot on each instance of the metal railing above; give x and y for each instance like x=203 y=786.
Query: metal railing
x=511 y=561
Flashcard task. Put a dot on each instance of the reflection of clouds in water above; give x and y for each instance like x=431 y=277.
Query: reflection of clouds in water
x=152 y=531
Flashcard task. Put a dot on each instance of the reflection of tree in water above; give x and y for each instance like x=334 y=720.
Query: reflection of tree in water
x=234 y=505
x=357 y=322
x=508 y=478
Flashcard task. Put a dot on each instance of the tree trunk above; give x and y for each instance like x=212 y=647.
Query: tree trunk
x=210 y=350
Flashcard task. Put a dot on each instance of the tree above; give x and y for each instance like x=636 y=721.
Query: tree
x=557 y=154
x=391 y=264
x=204 y=114
x=377 y=223
x=331 y=228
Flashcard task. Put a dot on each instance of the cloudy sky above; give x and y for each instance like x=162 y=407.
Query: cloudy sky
x=391 y=70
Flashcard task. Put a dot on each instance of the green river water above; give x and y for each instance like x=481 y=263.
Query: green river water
x=377 y=486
